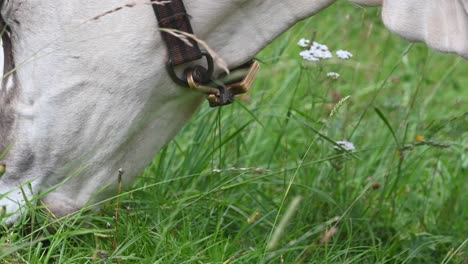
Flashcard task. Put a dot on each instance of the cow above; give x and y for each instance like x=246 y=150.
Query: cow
x=85 y=95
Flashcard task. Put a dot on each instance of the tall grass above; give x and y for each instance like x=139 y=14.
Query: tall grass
x=262 y=181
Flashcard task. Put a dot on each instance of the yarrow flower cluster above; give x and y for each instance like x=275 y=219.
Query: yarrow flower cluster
x=346 y=145
x=344 y=54
x=307 y=55
x=318 y=51
x=333 y=75
x=315 y=52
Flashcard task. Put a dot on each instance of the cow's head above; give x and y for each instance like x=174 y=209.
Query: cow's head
x=85 y=94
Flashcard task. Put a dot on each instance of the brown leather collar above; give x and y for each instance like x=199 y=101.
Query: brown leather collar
x=173 y=15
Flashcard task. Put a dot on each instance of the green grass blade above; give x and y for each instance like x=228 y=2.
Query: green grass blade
x=387 y=123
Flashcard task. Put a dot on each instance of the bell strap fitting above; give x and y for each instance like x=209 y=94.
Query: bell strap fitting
x=173 y=15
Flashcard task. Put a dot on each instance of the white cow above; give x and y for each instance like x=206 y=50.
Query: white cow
x=93 y=95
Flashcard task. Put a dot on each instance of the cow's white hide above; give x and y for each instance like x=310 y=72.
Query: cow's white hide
x=93 y=95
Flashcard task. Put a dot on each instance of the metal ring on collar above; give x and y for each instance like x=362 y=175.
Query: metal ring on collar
x=182 y=81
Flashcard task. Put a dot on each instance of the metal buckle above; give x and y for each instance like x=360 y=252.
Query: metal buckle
x=223 y=94
x=224 y=97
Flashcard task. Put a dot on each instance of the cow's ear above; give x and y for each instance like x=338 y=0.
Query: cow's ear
x=237 y=29
x=443 y=25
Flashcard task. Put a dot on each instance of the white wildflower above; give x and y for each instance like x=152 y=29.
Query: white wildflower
x=304 y=43
x=307 y=55
x=333 y=75
x=322 y=54
x=348 y=146
x=320 y=51
x=344 y=54
x=318 y=46
x=316 y=52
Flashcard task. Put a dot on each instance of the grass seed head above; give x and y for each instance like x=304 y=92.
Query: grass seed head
x=339 y=105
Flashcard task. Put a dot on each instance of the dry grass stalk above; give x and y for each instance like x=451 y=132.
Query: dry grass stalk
x=2 y=169
x=243 y=170
x=184 y=36
x=253 y=218
x=326 y=238
x=279 y=230
x=229 y=260
x=130 y=5
x=117 y=210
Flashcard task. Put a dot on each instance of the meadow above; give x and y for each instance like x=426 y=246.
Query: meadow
x=265 y=181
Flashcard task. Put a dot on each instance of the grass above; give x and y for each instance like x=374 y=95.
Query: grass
x=261 y=182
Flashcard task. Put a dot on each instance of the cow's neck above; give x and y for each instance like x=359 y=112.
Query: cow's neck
x=238 y=29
